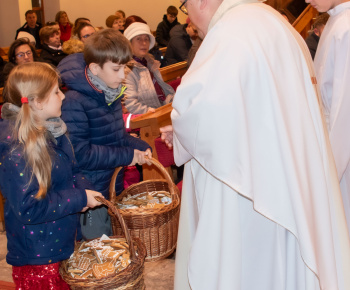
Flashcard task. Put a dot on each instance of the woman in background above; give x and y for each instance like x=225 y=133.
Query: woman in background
x=65 y=25
x=146 y=89
x=21 y=51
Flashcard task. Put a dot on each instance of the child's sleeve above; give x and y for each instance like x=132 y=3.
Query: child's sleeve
x=20 y=194
x=79 y=180
x=92 y=156
x=136 y=143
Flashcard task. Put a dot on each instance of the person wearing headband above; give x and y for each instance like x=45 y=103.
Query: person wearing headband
x=146 y=89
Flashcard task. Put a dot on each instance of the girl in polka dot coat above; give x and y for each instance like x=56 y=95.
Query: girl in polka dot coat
x=39 y=178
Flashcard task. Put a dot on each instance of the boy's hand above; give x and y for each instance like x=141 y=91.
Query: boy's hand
x=91 y=201
x=167 y=135
x=140 y=157
x=151 y=110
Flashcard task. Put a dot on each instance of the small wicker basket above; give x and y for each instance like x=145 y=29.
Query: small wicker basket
x=129 y=278
x=156 y=227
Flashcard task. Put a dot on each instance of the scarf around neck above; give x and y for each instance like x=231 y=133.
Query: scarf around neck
x=110 y=94
x=55 y=126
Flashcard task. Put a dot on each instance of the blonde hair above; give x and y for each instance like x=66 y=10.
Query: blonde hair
x=34 y=81
x=72 y=46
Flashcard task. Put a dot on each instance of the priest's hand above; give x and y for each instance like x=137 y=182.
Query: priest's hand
x=167 y=135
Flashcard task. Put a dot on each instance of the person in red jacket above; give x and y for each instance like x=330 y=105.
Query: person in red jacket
x=65 y=25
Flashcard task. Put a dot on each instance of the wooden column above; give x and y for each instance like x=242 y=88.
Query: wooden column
x=149 y=125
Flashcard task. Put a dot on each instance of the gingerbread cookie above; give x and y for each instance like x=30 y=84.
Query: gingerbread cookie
x=103 y=270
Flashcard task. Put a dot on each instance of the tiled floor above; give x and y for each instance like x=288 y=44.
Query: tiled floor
x=158 y=275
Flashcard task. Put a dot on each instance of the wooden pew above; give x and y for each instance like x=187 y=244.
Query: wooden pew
x=172 y=72
x=162 y=50
x=149 y=125
x=304 y=22
x=4 y=53
x=1 y=95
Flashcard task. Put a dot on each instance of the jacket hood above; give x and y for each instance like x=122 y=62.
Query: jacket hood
x=72 y=71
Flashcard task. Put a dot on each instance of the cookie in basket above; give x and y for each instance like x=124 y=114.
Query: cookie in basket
x=103 y=270
x=87 y=274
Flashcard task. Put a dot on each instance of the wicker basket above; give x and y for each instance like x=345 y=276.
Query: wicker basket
x=156 y=227
x=129 y=278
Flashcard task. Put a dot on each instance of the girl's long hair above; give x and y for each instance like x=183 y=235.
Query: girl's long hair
x=34 y=81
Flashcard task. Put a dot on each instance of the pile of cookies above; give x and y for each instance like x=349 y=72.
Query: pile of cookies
x=99 y=258
x=153 y=199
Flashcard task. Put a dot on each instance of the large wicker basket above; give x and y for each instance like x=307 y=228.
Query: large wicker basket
x=129 y=278
x=156 y=227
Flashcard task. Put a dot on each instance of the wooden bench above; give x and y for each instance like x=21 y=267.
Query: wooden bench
x=7 y=285
x=4 y=53
x=304 y=22
x=1 y=95
x=162 y=50
x=172 y=72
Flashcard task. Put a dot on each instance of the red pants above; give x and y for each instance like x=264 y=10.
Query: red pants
x=38 y=277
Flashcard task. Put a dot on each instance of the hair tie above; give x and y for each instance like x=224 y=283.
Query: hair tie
x=24 y=100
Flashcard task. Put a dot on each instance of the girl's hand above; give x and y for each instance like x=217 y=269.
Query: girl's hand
x=167 y=135
x=151 y=110
x=91 y=201
x=140 y=157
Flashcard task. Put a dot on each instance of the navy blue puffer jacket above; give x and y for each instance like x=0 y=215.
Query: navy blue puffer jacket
x=40 y=231
x=96 y=129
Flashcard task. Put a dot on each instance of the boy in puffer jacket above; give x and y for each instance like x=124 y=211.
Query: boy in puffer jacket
x=93 y=113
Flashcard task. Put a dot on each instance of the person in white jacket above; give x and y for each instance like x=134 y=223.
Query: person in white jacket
x=261 y=206
x=332 y=66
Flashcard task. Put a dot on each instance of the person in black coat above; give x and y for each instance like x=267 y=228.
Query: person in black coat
x=31 y=26
x=164 y=27
x=51 y=46
x=181 y=40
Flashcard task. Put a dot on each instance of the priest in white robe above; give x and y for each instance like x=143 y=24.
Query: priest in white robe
x=261 y=205
x=332 y=66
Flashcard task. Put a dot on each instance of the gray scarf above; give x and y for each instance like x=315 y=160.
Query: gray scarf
x=55 y=126
x=110 y=94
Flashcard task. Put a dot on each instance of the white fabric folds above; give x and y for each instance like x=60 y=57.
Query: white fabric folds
x=332 y=65
x=261 y=206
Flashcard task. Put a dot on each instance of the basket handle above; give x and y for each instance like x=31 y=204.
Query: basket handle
x=170 y=182
x=118 y=216
x=112 y=193
x=155 y=162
